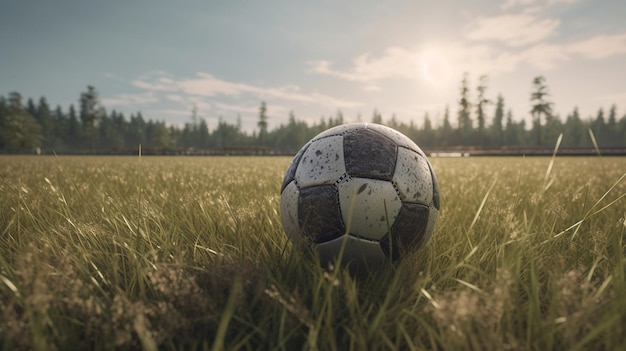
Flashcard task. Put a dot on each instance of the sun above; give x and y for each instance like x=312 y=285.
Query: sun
x=434 y=68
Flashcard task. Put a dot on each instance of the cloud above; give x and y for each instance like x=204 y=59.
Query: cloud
x=437 y=63
x=395 y=62
x=513 y=3
x=131 y=99
x=236 y=108
x=207 y=85
x=545 y=56
x=601 y=46
x=513 y=29
x=611 y=98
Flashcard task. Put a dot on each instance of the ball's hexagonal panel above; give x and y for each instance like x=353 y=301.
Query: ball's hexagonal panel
x=289 y=212
x=408 y=232
x=338 y=130
x=291 y=171
x=358 y=253
x=397 y=137
x=369 y=154
x=369 y=207
x=412 y=177
x=321 y=163
x=319 y=215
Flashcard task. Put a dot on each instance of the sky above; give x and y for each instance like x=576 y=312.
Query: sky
x=314 y=58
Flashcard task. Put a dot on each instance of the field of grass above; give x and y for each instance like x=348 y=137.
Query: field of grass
x=173 y=253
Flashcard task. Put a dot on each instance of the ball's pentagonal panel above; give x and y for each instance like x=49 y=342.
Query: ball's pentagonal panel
x=397 y=137
x=339 y=130
x=412 y=177
x=369 y=207
x=359 y=253
x=408 y=231
x=289 y=212
x=369 y=154
x=321 y=163
x=291 y=171
x=319 y=215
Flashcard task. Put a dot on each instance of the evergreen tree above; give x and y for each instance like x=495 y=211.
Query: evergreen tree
x=497 y=128
x=480 y=107
x=446 y=129
x=4 y=106
x=74 y=134
x=21 y=132
x=540 y=106
x=598 y=127
x=464 y=120
x=377 y=117
x=574 y=133
x=262 y=123
x=611 y=128
x=90 y=113
x=43 y=115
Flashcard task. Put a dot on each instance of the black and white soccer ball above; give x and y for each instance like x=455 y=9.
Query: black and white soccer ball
x=363 y=191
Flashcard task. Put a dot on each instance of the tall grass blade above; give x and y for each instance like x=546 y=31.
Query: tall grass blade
x=594 y=142
x=549 y=170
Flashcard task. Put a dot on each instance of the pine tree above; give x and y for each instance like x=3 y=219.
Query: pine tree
x=90 y=113
x=377 y=117
x=464 y=120
x=262 y=123
x=541 y=106
x=480 y=107
x=21 y=132
x=497 y=127
x=446 y=129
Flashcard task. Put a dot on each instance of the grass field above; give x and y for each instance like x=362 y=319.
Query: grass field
x=173 y=253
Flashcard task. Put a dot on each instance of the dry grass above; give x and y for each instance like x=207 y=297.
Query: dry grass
x=170 y=253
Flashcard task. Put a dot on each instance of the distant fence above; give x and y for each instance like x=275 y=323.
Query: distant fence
x=521 y=151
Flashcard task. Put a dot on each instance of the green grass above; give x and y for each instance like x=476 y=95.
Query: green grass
x=173 y=253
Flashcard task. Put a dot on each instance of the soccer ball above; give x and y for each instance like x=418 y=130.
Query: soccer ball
x=361 y=192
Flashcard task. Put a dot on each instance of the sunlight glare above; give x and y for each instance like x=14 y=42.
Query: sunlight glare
x=434 y=68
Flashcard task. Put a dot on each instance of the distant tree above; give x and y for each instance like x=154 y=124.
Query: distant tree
x=4 y=107
x=21 y=132
x=540 y=106
x=43 y=115
x=262 y=123
x=497 y=127
x=611 y=128
x=464 y=120
x=203 y=134
x=446 y=129
x=480 y=107
x=160 y=138
x=377 y=117
x=598 y=126
x=339 y=118
x=514 y=132
x=90 y=113
x=74 y=131
x=427 y=131
x=136 y=132
x=574 y=132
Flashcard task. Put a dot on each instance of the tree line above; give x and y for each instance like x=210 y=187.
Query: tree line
x=30 y=126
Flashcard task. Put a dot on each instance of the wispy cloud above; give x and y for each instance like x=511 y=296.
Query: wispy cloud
x=207 y=85
x=601 y=46
x=513 y=29
x=131 y=99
